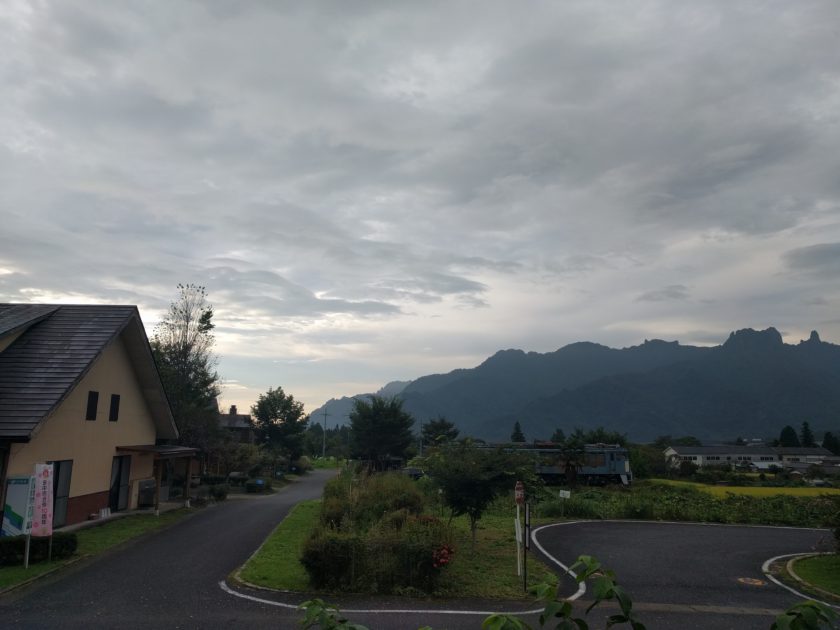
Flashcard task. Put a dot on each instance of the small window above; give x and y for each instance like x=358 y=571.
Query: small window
x=93 y=401
x=114 y=414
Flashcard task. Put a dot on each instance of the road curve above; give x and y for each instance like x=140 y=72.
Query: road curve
x=688 y=575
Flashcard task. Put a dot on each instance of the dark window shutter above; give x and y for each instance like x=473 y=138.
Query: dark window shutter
x=115 y=408
x=93 y=401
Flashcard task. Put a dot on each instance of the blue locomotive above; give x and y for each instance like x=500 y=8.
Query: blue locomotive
x=594 y=464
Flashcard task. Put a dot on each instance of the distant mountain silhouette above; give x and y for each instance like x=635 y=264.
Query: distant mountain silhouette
x=751 y=385
x=338 y=409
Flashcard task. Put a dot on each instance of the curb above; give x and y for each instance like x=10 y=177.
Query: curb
x=789 y=568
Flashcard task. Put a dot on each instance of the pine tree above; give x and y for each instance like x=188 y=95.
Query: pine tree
x=517 y=435
x=806 y=436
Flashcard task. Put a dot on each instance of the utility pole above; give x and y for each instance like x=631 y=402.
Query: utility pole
x=324 y=442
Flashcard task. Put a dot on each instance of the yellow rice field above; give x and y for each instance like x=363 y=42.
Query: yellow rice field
x=721 y=491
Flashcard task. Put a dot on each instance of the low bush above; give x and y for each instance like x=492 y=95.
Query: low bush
x=373 y=538
x=366 y=499
x=12 y=548
x=255 y=485
x=219 y=492
x=303 y=464
x=384 y=559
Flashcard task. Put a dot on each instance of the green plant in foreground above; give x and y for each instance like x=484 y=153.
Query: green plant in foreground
x=808 y=615
x=319 y=614
x=559 y=612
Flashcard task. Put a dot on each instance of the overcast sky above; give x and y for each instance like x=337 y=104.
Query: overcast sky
x=378 y=191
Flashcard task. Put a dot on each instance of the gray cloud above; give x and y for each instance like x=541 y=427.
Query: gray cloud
x=337 y=173
x=823 y=259
x=671 y=292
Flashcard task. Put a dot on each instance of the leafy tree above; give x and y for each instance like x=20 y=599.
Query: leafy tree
x=664 y=441
x=182 y=346
x=806 y=436
x=280 y=422
x=558 y=436
x=600 y=435
x=380 y=430
x=831 y=442
x=788 y=437
x=517 y=435
x=739 y=441
x=471 y=477
x=439 y=431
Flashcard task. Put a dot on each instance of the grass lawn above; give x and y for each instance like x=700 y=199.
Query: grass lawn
x=821 y=571
x=327 y=462
x=488 y=571
x=276 y=564
x=753 y=491
x=95 y=540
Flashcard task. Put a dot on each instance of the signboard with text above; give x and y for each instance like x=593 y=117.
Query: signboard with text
x=42 y=517
x=17 y=511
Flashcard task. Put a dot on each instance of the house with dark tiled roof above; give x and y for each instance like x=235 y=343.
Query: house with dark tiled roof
x=238 y=425
x=79 y=389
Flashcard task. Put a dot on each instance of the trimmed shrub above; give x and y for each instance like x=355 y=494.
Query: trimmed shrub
x=382 y=560
x=303 y=464
x=219 y=492
x=12 y=548
x=373 y=539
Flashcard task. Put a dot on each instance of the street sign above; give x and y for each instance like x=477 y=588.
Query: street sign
x=519 y=493
x=43 y=512
x=565 y=494
x=17 y=513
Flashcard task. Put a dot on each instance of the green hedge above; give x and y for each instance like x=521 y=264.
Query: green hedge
x=688 y=504
x=12 y=548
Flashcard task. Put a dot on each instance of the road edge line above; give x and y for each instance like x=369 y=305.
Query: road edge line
x=379 y=611
x=765 y=568
x=581 y=585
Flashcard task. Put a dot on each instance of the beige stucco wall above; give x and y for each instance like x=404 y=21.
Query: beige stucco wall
x=92 y=444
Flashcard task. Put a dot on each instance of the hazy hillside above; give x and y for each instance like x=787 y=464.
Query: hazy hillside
x=338 y=409
x=751 y=385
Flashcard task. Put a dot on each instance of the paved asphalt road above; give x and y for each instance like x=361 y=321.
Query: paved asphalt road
x=687 y=575
x=171 y=579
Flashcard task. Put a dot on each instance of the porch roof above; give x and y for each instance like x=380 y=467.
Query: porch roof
x=161 y=451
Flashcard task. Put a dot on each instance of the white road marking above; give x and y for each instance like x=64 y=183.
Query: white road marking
x=765 y=568
x=380 y=611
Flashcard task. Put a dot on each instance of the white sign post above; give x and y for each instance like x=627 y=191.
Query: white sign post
x=564 y=494
x=519 y=496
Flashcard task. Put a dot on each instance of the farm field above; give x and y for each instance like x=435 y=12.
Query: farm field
x=752 y=491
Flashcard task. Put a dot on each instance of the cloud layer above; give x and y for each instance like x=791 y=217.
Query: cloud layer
x=381 y=191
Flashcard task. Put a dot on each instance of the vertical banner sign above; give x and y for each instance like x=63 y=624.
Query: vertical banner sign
x=17 y=511
x=43 y=512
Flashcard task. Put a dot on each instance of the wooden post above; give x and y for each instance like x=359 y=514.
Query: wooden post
x=158 y=476
x=188 y=478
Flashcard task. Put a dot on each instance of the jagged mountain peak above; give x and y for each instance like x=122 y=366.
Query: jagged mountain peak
x=754 y=340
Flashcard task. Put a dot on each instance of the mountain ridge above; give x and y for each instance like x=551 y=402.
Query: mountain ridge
x=751 y=384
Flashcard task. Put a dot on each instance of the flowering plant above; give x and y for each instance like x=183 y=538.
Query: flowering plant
x=442 y=556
